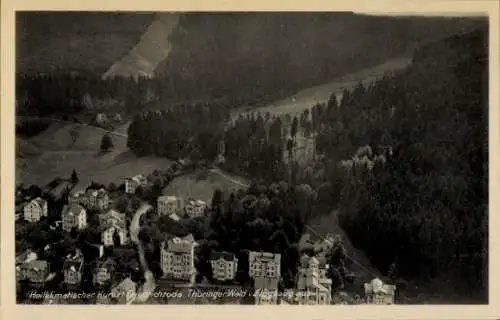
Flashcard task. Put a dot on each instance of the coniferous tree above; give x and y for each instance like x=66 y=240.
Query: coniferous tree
x=106 y=143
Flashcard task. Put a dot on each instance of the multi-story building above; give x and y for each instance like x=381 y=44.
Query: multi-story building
x=73 y=268
x=195 y=208
x=224 y=265
x=168 y=205
x=177 y=258
x=266 y=290
x=74 y=216
x=377 y=292
x=264 y=264
x=91 y=199
x=35 y=210
x=37 y=271
x=125 y=292
x=103 y=272
x=313 y=285
x=112 y=223
x=22 y=261
x=132 y=183
x=79 y=197
x=98 y=199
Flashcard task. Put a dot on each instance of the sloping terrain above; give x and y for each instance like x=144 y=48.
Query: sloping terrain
x=54 y=153
x=245 y=52
x=199 y=187
x=221 y=50
x=25 y=149
x=295 y=104
x=80 y=41
x=75 y=137
x=152 y=48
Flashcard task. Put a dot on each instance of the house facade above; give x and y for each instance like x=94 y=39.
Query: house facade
x=35 y=210
x=79 y=197
x=195 y=208
x=168 y=205
x=73 y=268
x=112 y=223
x=266 y=290
x=313 y=285
x=264 y=264
x=177 y=258
x=74 y=216
x=37 y=271
x=98 y=199
x=132 y=183
x=103 y=272
x=224 y=265
x=377 y=292
x=92 y=199
x=22 y=261
x=125 y=292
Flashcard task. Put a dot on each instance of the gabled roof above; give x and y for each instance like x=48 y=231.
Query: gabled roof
x=97 y=192
x=26 y=256
x=264 y=256
x=377 y=286
x=37 y=265
x=167 y=199
x=75 y=264
x=109 y=263
x=39 y=202
x=179 y=244
x=223 y=255
x=73 y=209
x=112 y=218
x=137 y=178
x=196 y=203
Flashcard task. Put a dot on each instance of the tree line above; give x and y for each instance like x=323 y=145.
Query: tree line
x=408 y=156
x=180 y=131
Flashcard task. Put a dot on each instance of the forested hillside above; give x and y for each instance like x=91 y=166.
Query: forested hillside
x=247 y=58
x=422 y=202
x=404 y=159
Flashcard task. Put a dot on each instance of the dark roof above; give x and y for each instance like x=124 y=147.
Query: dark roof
x=112 y=218
x=76 y=263
x=73 y=209
x=223 y=255
x=108 y=263
x=37 y=264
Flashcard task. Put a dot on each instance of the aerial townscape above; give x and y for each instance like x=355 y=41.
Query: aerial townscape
x=253 y=167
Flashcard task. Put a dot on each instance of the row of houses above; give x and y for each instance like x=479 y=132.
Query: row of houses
x=37 y=272
x=171 y=205
x=313 y=287
x=99 y=199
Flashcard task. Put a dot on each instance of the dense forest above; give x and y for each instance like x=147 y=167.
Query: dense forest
x=181 y=131
x=250 y=59
x=404 y=159
x=422 y=203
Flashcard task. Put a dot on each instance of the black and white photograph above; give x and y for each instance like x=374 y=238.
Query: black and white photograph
x=251 y=158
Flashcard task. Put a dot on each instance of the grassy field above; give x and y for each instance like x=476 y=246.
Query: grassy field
x=25 y=148
x=188 y=186
x=60 y=137
x=57 y=155
x=307 y=98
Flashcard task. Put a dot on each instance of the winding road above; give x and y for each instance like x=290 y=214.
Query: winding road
x=149 y=285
